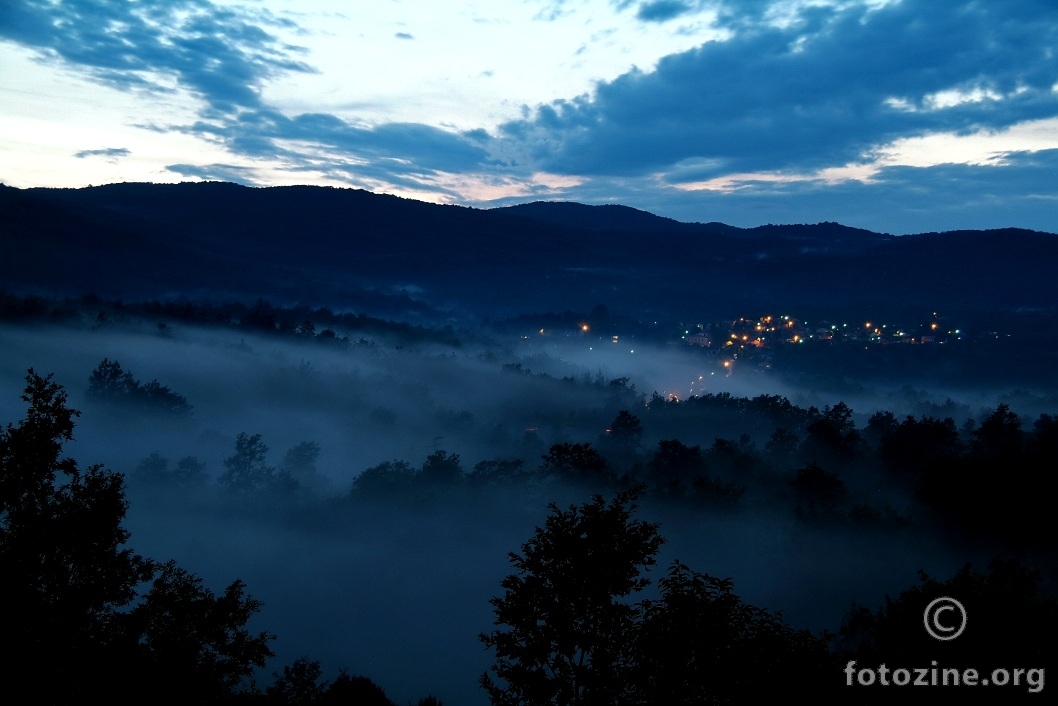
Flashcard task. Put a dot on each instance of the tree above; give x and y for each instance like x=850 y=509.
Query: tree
x=110 y=384
x=700 y=644
x=195 y=642
x=577 y=462
x=300 y=460
x=72 y=585
x=247 y=471
x=573 y=635
x=626 y=430
x=299 y=684
x=441 y=468
x=567 y=636
x=999 y=436
x=63 y=563
x=387 y=479
x=819 y=493
x=832 y=431
x=675 y=466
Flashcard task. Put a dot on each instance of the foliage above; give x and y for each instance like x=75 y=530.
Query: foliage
x=154 y=470
x=246 y=470
x=574 y=462
x=62 y=557
x=819 y=493
x=300 y=460
x=298 y=684
x=192 y=639
x=111 y=384
x=567 y=625
x=442 y=468
x=74 y=587
x=573 y=636
x=388 y=478
x=626 y=431
x=674 y=465
x=832 y=432
x=499 y=472
x=700 y=644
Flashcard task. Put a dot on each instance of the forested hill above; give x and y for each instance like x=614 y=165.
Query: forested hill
x=344 y=247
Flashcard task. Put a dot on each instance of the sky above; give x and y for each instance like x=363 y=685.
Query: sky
x=899 y=116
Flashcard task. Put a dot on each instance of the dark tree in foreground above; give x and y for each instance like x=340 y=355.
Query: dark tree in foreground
x=567 y=629
x=192 y=640
x=302 y=684
x=63 y=564
x=700 y=644
x=573 y=635
x=72 y=587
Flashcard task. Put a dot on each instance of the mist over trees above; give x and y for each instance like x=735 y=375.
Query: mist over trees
x=817 y=467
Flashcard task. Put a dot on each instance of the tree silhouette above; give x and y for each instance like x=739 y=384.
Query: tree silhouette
x=72 y=585
x=441 y=468
x=63 y=563
x=110 y=384
x=819 y=493
x=192 y=640
x=573 y=635
x=675 y=466
x=577 y=462
x=568 y=632
x=700 y=644
x=387 y=479
x=626 y=431
x=246 y=469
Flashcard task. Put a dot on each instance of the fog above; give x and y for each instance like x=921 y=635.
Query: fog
x=398 y=591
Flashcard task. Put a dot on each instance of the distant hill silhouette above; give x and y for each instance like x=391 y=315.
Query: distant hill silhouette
x=624 y=218
x=394 y=256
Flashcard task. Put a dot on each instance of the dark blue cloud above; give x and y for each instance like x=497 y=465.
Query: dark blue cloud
x=222 y=55
x=663 y=10
x=814 y=93
x=728 y=13
x=400 y=153
x=403 y=35
x=111 y=153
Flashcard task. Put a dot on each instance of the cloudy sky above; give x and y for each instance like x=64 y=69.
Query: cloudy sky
x=895 y=115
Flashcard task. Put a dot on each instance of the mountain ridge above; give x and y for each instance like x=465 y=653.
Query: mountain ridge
x=341 y=247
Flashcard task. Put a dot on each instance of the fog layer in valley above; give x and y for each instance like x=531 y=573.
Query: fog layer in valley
x=399 y=591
